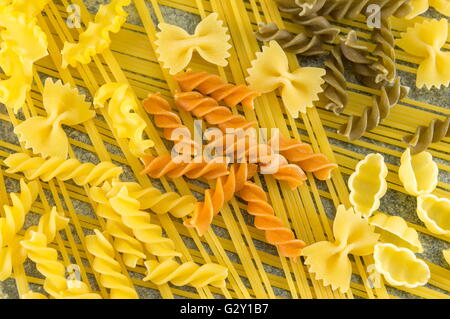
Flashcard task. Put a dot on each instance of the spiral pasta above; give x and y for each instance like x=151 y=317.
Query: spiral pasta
x=122 y=109
x=47 y=169
x=276 y=233
x=96 y=38
x=296 y=43
x=225 y=189
x=214 y=86
x=371 y=116
x=186 y=274
x=318 y=26
x=385 y=53
x=11 y=224
x=436 y=131
x=209 y=109
x=425 y=40
x=49 y=224
x=45 y=135
x=139 y=222
x=111 y=275
x=335 y=86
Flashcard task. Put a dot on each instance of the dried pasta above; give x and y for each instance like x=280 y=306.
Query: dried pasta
x=368 y=184
x=122 y=109
x=400 y=267
x=421 y=6
x=395 y=230
x=425 y=41
x=446 y=254
x=218 y=89
x=210 y=39
x=96 y=38
x=296 y=43
x=418 y=173
x=385 y=53
x=187 y=273
x=299 y=89
x=111 y=275
x=372 y=116
x=45 y=135
x=165 y=165
x=49 y=224
x=435 y=213
x=329 y=261
x=317 y=26
x=10 y=225
x=276 y=233
x=140 y=223
x=47 y=169
x=435 y=132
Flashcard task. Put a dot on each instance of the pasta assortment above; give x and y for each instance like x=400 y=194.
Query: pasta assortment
x=299 y=89
x=435 y=213
x=329 y=261
x=45 y=135
x=96 y=38
x=426 y=135
x=210 y=39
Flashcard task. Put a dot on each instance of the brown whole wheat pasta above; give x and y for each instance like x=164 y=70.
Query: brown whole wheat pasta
x=426 y=135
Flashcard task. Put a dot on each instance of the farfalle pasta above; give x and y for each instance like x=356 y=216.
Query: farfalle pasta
x=329 y=261
x=400 y=267
x=210 y=39
x=418 y=173
x=185 y=274
x=270 y=71
x=421 y=6
x=55 y=167
x=45 y=135
x=435 y=213
x=111 y=276
x=96 y=38
x=425 y=41
x=395 y=230
x=11 y=224
x=122 y=109
x=368 y=184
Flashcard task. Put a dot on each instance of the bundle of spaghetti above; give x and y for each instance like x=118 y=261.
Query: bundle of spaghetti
x=435 y=132
x=139 y=222
x=124 y=242
x=209 y=109
x=296 y=43
x=10 y=249
x=276 y=233
x=170 y=122
x=245 y=149
x=165 y=165
x=122 y=108
x=371 y=116
x=105 y=264
x=54 y=167
x=303 y=155
x=218 y=89
x=150 y=198
x=385 y=53
x=46 y=259
x=335 y=86
x=187 y=273
x=226 y=187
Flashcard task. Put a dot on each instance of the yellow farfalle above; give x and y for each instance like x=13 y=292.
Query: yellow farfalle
x=188 y=273
x=29 y=7
x=421 y=6
x=435 y=213
x=400 y=267
x=96 y=39
x=329 y=260
x=210 y=39
x=299 y=89
x=395 y=230
x=10 y=249
x=122 y=111
x=105 y=264
x=140 y=223
x=45 y=135
x=61 y=169
x=368 y=184
x=418 y=173
x=425 y=41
